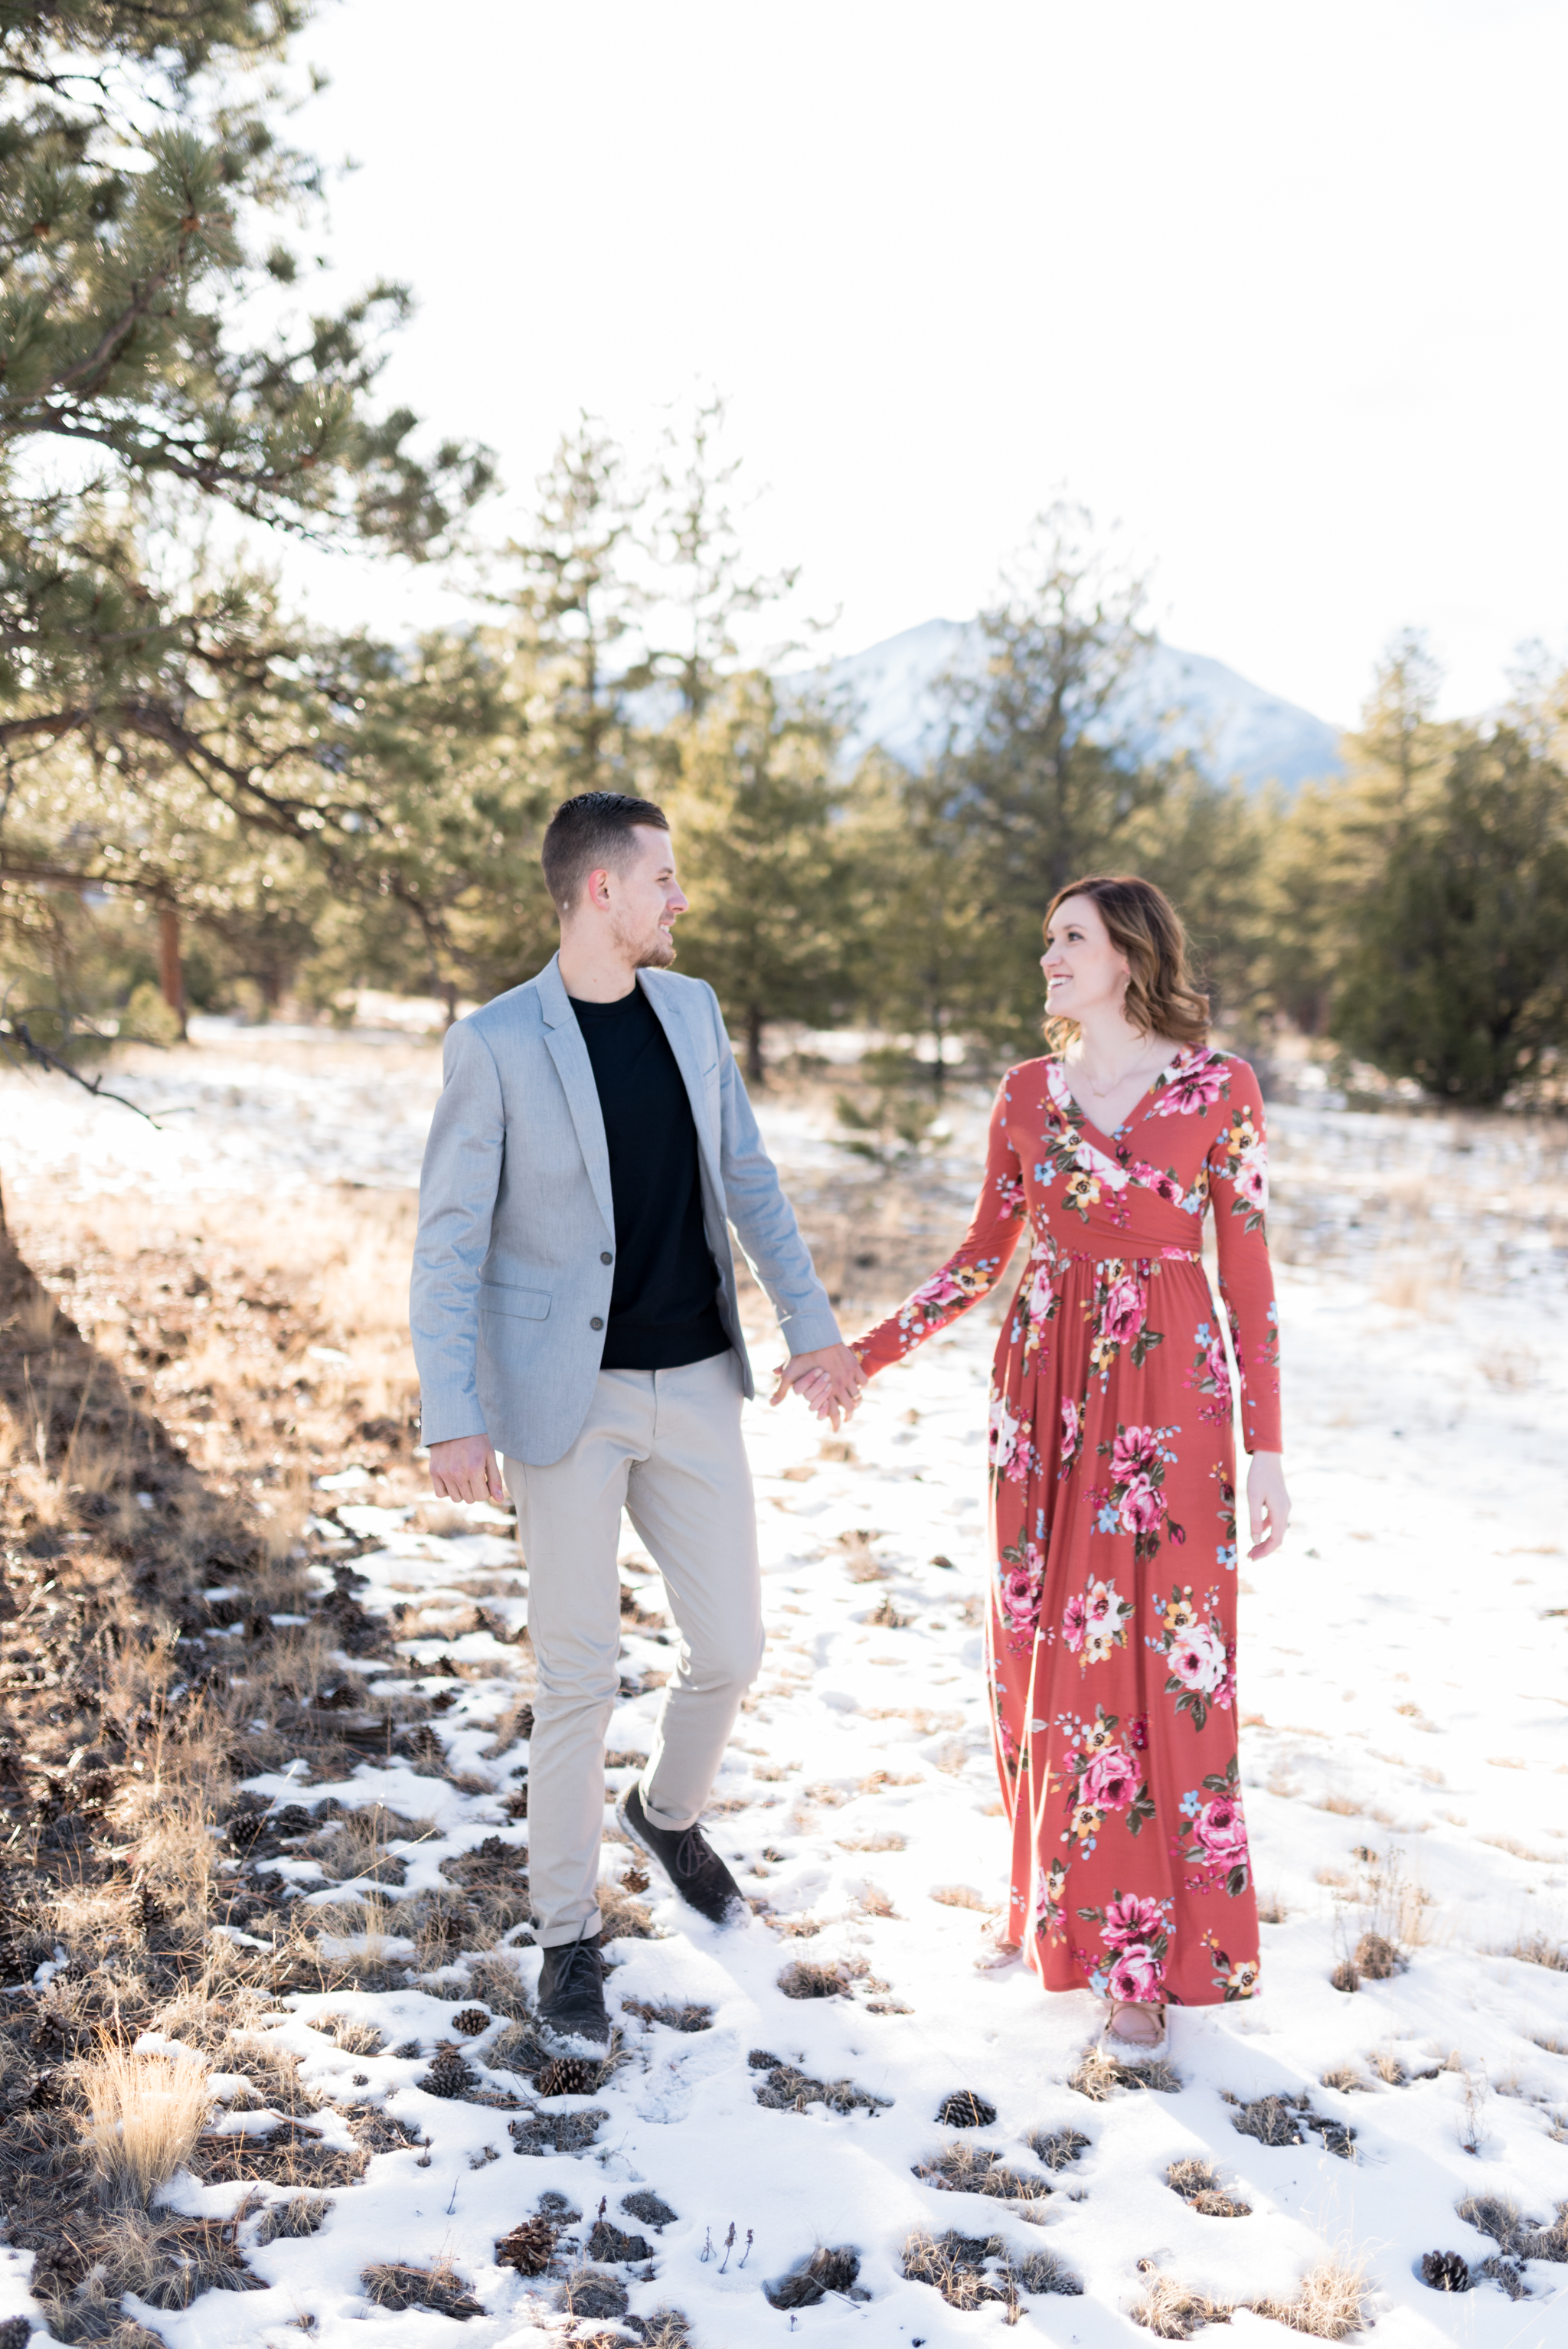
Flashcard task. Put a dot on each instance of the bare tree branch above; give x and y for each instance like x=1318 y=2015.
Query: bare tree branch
x=17 y=1032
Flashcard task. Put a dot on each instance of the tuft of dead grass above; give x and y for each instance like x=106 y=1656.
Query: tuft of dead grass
x=1198 y=2184
x=1539 y=1949
x=1172 y=2311
x=805 y=1978
x=955 y=2266
x=1516 y=2237
x=962 y=2167
x=1327 y=2303
x=396 y=2284
x=145 y=2116
x=1097 y=2075
x=874 y=1902
x=297 y=2215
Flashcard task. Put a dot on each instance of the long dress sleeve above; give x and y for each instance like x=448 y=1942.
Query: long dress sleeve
x=1238 y=1188
x=975 y=1268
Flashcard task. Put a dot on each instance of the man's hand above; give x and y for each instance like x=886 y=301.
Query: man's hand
x=830 y=1378
x=465 y=1468
x=1268 y=1503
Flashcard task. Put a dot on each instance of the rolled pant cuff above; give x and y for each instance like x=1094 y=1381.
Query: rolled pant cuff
x=555 y=1937
x=659 y=1818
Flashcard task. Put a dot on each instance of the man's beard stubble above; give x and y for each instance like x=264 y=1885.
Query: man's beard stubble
x=645 y=952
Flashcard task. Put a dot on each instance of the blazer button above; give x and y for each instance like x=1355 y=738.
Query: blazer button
x=597 y=1322
x=605 y=1256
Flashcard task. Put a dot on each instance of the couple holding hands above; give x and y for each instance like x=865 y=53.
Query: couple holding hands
x=577 y=1333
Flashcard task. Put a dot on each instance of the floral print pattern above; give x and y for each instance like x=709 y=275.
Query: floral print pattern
x=1199 y=1656
x=1111 y=1465
x=1215 y=1840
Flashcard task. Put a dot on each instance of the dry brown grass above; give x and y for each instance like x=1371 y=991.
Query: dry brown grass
x=145 y=2116
x=1172 y=2311
x=962 y=2166
x=1098 y=2076
x=1538 y=1949
x=1327 y=2303
x=874 y=1902
x=178 y=1459
x=297 y=2215
x=953 y=2265
x=1515 y=1850
x=964 y=1895
x=1198 y=2184
x=396 y=2284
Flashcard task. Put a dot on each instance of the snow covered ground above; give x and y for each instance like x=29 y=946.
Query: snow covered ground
x=1405 y=1752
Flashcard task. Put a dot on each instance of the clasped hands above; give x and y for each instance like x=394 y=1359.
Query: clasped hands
x=828 y=1380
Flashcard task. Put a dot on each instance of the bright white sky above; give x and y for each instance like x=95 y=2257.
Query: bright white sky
x=1277 y=287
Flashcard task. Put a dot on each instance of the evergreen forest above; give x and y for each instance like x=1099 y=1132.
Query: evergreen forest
x=208 y=801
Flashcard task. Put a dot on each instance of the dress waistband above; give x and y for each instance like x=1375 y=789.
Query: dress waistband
x=1053 y=1248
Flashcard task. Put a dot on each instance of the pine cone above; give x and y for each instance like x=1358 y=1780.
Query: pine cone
x=449 y=2074
x=965 y=2110
x=529 y=2248
x=471 y=2020
x=568 y=2075
x=1444 y=2270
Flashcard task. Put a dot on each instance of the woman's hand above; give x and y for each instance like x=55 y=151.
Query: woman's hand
x=1268 y=1503
x=828 y=1380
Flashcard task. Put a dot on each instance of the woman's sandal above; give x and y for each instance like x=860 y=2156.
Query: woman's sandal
x=1123 y=2049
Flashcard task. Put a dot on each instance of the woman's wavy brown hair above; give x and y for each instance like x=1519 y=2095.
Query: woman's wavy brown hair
x=1162 y=997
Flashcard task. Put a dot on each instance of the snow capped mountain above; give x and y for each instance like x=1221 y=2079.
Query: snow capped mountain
x=1177 y=701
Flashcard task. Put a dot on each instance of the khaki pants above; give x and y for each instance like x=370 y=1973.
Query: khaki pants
x=666 y=1446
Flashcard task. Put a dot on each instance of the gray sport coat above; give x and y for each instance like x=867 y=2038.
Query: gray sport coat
x=515 y=1253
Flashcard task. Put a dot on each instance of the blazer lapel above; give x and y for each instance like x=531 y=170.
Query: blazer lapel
x=563 y=1038
x=682 y=1044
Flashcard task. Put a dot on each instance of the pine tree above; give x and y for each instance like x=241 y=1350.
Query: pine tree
x=1456 y=968
x=765 y=861
x=1332 y=846
x=1042 y=785
x=696 y=550
x=925 y=957
x=580 y=604
x=139 y=147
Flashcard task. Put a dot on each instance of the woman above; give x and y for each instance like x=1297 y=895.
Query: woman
x=1111 y=1642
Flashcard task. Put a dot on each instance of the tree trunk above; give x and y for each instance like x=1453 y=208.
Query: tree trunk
x=755 y=1072
x=170 y=967
x=938 y=1067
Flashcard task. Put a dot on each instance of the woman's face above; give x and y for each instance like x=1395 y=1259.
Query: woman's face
x=1084 y=971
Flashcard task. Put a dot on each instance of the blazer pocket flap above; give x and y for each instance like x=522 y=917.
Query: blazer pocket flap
x=522 y=1304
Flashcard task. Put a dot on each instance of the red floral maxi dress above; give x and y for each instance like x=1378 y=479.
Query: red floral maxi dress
x=1111 y=1637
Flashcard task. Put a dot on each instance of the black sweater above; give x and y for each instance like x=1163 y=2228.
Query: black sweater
x=663 y=1306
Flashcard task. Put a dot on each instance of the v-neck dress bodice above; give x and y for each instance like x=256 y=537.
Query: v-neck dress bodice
x=1111 y=1635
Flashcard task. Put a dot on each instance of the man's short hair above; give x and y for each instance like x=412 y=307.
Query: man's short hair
x=595 y=828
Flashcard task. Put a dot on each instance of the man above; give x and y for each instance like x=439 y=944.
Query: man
x=574 y=1308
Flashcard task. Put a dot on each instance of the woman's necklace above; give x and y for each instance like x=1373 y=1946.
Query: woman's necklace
x=1133 y=1068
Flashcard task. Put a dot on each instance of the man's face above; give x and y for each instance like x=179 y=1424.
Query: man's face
x=645 y=899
